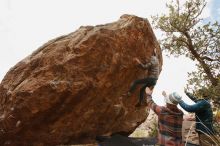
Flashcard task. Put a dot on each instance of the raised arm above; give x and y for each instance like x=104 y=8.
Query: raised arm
x=151 y=104
x=200 y=105
x=191 y=96
x=146 y=66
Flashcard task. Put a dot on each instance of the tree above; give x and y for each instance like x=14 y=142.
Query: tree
x=186 y=34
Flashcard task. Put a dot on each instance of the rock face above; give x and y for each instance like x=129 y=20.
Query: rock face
x=70 y=89
x=147 y=128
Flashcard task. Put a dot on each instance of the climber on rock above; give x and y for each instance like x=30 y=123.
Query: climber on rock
x=152 y=69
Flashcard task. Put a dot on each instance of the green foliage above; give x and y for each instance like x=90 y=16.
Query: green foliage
x=154 y=130
x=139 y=133
x=185 y=34
x=217 y=121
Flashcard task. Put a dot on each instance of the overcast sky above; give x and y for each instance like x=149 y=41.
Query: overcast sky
x=25 y=25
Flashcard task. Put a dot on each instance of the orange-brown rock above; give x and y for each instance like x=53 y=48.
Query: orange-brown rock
x=70 y=89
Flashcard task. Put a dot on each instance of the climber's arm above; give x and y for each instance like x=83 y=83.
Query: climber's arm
x=200 y=105
x=143 y=66
x=151 y=104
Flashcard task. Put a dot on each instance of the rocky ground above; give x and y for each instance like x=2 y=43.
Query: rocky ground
x=189 y=133
x=147 y=129
x=81 y=145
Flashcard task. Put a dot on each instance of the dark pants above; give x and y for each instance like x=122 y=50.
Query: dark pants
x=146 y=82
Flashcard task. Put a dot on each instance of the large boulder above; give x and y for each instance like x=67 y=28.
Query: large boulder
x=71 y=89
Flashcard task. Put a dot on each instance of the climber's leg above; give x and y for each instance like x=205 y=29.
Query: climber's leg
x=150 y=82
x=135 y=83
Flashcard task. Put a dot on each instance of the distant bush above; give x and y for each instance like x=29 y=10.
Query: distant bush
x=217 y=121
x=139 y=133
x=154 y=130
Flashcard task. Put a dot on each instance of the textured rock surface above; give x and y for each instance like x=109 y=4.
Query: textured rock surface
x=70 y=89
x=147 y=128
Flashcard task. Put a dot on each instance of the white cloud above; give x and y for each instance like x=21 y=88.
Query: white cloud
x=173 y=77
x=218 y=11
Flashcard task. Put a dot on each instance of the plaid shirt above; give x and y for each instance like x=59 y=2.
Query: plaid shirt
x=169 y=124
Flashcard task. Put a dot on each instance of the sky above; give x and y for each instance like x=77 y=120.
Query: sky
x=25 y=25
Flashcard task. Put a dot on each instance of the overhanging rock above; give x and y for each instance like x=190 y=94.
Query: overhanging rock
x=70 y=89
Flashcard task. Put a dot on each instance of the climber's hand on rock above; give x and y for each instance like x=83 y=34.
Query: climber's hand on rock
x=137 y=60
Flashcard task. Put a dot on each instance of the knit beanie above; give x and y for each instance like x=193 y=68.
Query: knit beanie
x=173 y=98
